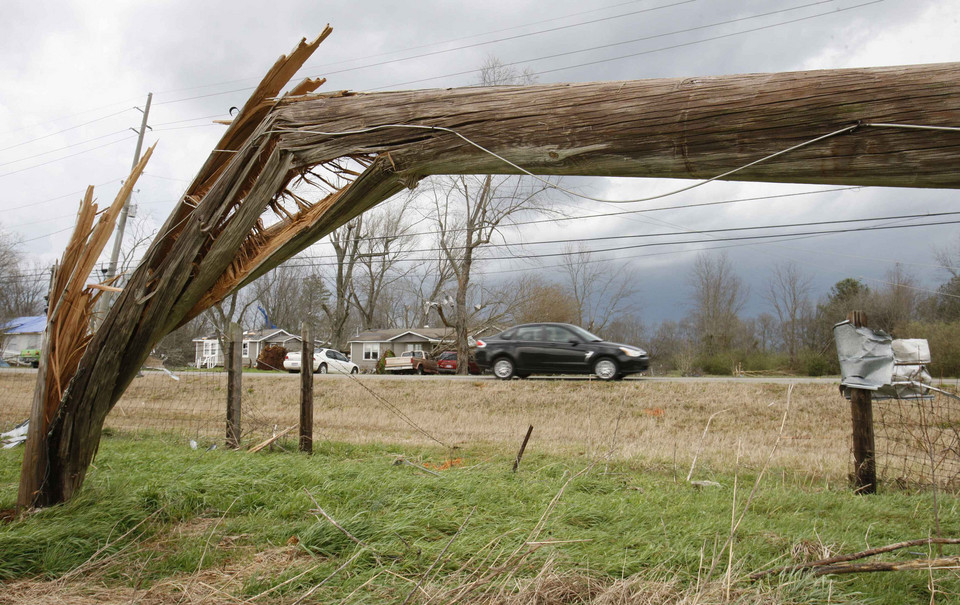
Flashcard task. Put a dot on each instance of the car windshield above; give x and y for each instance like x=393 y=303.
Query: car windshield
x=586 y=336
x=448 y=355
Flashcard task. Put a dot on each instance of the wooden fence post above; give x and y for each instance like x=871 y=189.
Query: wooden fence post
x=861 y=412
x=306 y=388
x=233 y=363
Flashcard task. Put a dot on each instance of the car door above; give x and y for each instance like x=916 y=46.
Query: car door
x=334 y=365
x=528 y=342
x=563 y=351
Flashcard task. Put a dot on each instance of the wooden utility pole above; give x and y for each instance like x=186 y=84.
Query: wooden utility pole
x=861 y=413
x=306 y=388
x=105 y=298
x=234 y=364
x=853 y=126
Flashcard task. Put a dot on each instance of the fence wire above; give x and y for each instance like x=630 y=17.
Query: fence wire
x=918 y=441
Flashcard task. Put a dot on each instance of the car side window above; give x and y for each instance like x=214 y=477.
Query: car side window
x=557 y=334
x=528 y=333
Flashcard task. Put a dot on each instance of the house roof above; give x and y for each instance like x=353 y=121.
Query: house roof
x=25 y=325
x=428 y=334
x=258 y=335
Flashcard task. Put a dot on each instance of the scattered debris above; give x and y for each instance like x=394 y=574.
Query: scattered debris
x=703 y=484
x=15 y=436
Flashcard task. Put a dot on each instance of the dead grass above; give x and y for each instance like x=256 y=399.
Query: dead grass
x=660 y=422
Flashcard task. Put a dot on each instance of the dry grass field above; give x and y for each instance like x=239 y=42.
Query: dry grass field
x=659 y=422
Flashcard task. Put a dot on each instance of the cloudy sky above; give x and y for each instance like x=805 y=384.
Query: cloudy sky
x=73 y=73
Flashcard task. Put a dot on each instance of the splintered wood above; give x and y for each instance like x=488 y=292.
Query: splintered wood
x=70 y=311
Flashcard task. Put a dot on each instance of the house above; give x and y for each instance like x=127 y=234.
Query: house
x=21 y=333
x=208 y=353
x=367 y=347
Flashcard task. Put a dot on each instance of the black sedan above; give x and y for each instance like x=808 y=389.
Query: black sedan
x=553 y=348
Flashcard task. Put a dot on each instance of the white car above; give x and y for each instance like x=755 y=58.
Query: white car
x=324 y=361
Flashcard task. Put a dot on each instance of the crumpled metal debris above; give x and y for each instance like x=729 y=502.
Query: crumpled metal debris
x=15 y=436
x=871 y=360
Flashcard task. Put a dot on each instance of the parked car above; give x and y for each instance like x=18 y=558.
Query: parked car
x=555 y=348
x=447 y=363
x=325 y=361
x=410 y=362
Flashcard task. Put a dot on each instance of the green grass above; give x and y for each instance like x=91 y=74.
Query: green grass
x=215 y=509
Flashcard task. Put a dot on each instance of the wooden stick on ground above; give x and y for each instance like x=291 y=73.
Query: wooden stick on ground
x=523 y=446
x=271 y=440
x=335 y=524
x=832 y=562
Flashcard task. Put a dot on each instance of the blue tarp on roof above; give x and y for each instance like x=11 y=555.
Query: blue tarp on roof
x=25 y=325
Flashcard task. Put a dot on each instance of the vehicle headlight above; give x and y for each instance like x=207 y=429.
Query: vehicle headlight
x=631 y=352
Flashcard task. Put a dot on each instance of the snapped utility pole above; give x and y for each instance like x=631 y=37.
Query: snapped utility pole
x=104 y=304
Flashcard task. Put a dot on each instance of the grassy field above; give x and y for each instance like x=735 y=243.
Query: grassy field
x=656 y=421
x=601 y=510
x=159 y=522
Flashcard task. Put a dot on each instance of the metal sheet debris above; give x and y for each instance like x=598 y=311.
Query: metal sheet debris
x=871 y=360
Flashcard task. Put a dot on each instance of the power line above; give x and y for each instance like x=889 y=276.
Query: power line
x=518 y=36
x=673 y=234
x=60 y=197
x=65 y=129
x=412 y=48
x=646 y=52
x=65 y=157
x=653 y=244
x=42 y=153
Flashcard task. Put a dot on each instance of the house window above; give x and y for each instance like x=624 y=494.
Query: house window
x=371 y=350
x=415 y=346
x=210 y=348
x=246 y=350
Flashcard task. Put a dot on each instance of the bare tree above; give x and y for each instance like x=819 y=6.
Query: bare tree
x=346 y=246
x=278 y=292
x=383 y=245
x=718 y=297
x=788 y=292
x=541 y=300
x=470 y=212
x=22 y=286
x=599 y=293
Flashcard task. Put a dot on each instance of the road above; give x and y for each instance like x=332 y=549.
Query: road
x=689 y=379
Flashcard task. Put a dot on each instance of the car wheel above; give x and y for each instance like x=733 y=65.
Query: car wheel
x=420 y=371
x=503 y=368
x=323 y=368
x=606 y=369
x=355 y=371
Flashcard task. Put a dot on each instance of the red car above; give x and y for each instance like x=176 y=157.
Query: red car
x=447 y=363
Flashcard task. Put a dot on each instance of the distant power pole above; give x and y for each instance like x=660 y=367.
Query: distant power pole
x=122 y=222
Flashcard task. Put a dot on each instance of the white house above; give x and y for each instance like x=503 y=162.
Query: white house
x=21 y=333
x=367 y=347
x=208 y=353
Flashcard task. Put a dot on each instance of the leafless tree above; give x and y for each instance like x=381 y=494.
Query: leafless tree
x=278 y=292
x=788 y=293
x=600 y=294
x=494 y=73
x=231 y=310
x=718 y=297
x=346 y=247
x=540 y=300
x=896 y=302
x=470 y=213
x=22 y=286
x=384 y=243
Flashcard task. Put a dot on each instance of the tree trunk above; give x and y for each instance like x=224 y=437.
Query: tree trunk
x=215 y=240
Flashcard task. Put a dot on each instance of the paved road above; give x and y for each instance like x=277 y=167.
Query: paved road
x=829 y=380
